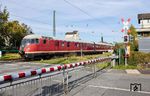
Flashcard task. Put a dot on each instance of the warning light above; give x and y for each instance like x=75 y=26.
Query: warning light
x=131 y=38
x=129 y=31
x=122 y=30
x=125 y=38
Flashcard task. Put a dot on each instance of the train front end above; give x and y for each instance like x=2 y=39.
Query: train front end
x=28 y=46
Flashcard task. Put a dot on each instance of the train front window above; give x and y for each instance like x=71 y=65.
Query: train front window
x=25 y=41
x=29 y=41
x=34 y=41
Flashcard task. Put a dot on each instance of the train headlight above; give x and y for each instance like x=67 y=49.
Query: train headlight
x=28 y=43
x=28 y=49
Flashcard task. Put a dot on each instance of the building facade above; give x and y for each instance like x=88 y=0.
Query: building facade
x=72 y=35
x=144 y=32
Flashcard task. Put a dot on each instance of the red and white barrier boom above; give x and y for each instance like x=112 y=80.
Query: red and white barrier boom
x=11 y=77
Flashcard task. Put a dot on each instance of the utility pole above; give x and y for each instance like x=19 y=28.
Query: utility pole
x=102 y=38
x=54 y=24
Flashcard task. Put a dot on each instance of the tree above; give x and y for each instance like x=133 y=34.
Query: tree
x=11 y=32
x=134 y=43
x=4 y=15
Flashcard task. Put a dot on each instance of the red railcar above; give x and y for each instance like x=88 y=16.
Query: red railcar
x=33 y=46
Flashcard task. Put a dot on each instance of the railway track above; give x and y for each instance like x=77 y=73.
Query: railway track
x=12 y=60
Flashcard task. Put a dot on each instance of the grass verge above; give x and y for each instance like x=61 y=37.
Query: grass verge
x=72 y=59
x=103 y=65
x=123 y=67
x=10 y=56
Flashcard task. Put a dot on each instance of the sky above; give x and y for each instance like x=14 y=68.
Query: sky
x=91 y=18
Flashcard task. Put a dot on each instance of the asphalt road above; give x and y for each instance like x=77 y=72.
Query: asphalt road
x=12 y=67
x=113 y=83
x=82 y=82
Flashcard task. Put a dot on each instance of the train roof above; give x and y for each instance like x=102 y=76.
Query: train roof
x=34 y=36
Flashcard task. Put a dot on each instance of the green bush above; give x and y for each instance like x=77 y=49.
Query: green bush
x=138 y=58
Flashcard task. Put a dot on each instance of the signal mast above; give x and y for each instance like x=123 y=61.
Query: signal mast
x=126 y=37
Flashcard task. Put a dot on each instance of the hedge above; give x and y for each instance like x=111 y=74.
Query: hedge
x=137 y=58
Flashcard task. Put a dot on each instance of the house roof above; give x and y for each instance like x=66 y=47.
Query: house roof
x=143 y=16
x=74 y=32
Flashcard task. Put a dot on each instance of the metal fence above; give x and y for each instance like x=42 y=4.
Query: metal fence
x=64 y=82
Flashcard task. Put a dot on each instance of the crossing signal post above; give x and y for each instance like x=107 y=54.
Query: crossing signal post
x=127 y=38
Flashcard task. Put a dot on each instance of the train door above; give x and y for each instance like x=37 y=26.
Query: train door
x=40 y=42
x=75 y=46
x=68 y=46
x=72 y=47
x=94 y=47
x=81 y=46
x=42 y=45
x=63 y=45
x=52 y=45
x=78 y=46
x=56 y=45
x=45 y=44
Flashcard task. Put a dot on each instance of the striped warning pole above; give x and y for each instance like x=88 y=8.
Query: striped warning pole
x=31 y=73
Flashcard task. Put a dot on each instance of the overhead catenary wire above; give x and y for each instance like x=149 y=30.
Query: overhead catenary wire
x=29 y=19
x=86 y=13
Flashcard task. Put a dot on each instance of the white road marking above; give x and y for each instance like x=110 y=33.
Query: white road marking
x=131 y=71
x=114 y=88
x=109 y=70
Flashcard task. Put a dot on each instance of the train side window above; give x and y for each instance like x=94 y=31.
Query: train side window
x=62 y=44
x=36 y=41
x=44 y=41
x=75 y=44
x=68 y=44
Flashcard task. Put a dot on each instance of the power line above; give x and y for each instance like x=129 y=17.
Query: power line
x=83 y=11
x=30 y=19
x=78 y=8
